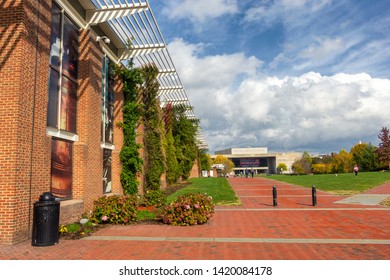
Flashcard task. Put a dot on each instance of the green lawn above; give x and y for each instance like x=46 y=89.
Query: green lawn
x=345 y=183
x=218 y=188
x=348 y=184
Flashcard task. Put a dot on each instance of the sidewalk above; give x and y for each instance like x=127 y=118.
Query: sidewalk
x=293 y=230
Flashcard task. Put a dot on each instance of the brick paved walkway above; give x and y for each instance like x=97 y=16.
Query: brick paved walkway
x=294 y=230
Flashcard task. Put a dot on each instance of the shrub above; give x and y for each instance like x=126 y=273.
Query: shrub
x=320 y=168
x=116 y=209
x=156 y=198
x=188 y=209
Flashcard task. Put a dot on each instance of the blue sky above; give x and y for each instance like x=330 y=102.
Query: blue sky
x=290 y=75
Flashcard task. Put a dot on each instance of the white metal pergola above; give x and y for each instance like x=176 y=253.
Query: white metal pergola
x=134 y=34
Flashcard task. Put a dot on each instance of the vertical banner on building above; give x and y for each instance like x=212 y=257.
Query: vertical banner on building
x=61 y=168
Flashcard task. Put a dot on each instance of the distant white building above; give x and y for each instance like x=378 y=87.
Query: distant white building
x=258 y=159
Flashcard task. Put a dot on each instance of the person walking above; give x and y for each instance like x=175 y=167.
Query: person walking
x=356 y=170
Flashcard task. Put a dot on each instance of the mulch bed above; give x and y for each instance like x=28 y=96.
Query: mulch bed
x=80 y=234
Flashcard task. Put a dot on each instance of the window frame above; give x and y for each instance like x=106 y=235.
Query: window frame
x=60 y=124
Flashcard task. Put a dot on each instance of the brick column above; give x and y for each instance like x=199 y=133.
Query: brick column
x=24 y=146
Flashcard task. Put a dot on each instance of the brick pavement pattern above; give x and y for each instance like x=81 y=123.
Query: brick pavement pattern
x=293 y=230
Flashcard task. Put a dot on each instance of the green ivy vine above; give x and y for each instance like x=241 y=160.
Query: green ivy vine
x=153 y=129
x=129 y=155
x=169 y=139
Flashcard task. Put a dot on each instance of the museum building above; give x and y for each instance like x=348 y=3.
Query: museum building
x=258 y=160
x=60 y=101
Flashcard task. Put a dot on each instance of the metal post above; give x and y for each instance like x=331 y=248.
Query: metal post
x=314 y=195
x=274 y=195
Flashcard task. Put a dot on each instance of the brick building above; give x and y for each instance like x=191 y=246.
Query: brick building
x=59 y=105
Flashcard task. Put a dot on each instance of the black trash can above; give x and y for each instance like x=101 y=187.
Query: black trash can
x=46 y=221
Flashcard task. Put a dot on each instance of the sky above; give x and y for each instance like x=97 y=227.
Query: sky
x=290 y=75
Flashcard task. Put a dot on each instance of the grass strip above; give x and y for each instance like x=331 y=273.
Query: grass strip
x=346 y=183
x=218 y=188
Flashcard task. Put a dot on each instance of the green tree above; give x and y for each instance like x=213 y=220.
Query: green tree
x=173 y=171
x=306 y=162
x=184 y=132
x=282 y=167
x=383 y=150
x=365 y=157
x=205 y=160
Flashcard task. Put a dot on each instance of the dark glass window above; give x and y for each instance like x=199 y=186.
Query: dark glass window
x=70 y=49
x=107 y=129
x=107 y=123
x=62 y=105
x=107 y=181
x=52 y=110
x=55 y=37
x=64 y=41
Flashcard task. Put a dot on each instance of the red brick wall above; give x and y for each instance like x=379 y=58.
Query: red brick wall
x=195 y=171
x=23 y=87
x=88 y=158
x=25 y=149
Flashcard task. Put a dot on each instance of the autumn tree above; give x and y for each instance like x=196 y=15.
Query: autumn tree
x=303 y=165
x=383 y=150
x=228 y=164
x=297 y=168
x=321 y=168
x=342 y=162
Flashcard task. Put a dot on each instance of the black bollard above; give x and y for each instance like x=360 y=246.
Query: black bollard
x=314 y=195
x=274 y=195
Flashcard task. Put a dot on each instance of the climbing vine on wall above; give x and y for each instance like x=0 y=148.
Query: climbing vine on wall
x=169 y=138
x=129 y=155
x=153 y=129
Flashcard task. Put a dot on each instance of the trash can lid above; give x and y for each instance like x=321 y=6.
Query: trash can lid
x=47 y=196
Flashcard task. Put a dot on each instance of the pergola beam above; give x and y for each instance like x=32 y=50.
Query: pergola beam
x=94 y=17
x=135 y=34
x=135 y=51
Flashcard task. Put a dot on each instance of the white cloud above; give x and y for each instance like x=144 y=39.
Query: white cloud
x=238 y=106
x=287 y=11
x=200 y=10
x=209 y=72
x=323 y=49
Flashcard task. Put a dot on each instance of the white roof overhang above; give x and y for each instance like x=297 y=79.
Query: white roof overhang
x=134 y=34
